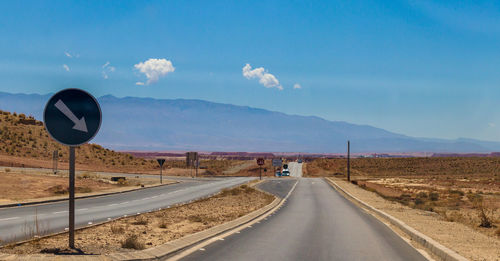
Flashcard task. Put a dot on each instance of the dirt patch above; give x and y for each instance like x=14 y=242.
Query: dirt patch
x=23 y=186
x=18 y=186
x=466 y=240
x=155 y=228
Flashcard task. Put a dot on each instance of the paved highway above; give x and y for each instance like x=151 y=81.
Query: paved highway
x=19 y=222
x=316 y=223
x=295 y=169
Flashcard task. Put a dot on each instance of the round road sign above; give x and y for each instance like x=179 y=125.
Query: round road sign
x=72 y=117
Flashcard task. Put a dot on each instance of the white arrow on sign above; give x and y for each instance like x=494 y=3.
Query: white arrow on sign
x=79 y=123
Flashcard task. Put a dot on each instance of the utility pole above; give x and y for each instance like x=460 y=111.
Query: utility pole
x=348 y=161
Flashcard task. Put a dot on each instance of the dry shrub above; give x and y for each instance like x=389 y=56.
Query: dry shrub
x=453 y=216
x=195 y=218
x=434 y=196
x=163 y=224
x=497 y=232
x=117 y=229
x=133 y=242
x=140 y=220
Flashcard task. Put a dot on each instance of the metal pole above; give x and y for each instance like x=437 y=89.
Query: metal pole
x=71 y=197
x=260 y=172
x=348 y=161
x=161 y=175
x=197 y=163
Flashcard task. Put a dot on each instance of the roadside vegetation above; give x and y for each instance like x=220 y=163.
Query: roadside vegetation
x=464 y=190
x=154 y=228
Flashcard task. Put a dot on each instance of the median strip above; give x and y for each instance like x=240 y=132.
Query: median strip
x=156 y=230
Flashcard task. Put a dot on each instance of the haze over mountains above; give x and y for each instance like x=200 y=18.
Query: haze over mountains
x=150 y=124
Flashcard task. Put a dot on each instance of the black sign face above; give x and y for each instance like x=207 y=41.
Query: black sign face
x=161 y=161
x=72 y=117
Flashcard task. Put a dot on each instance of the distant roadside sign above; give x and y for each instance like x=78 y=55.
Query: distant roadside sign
x=285 y=166
x=161 y=162
x=260 y=161
x=72 y=117
x=277 y=162
x=191 y=158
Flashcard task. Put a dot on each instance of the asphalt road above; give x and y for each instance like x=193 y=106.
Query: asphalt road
x=20 y=222
x=316 y=223
x=295 y=169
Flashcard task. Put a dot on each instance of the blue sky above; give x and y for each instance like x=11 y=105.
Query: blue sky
x=420 y=68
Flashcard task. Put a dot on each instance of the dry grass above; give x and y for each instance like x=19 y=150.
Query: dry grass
x=465 y=190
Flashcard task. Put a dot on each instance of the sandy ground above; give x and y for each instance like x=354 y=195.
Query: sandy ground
x=19 y=186
x=466 y=241
x=155 y=228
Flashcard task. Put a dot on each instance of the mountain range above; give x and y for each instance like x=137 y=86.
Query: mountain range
x=132 y=123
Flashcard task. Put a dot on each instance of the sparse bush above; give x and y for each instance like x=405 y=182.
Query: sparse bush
x=434 y=196
x=421 y=195
x=163 y=224
x=195 y=218
x=117 y=229
x=485 y=219
x=419 y=201
x=133 y=242
x=7 y=170
x=140 y=220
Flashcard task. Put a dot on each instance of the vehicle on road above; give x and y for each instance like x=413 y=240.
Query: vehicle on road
x=278 y=173
x=299 y=161
x=285 y=172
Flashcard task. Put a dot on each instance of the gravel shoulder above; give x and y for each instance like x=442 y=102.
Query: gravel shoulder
x=462 y=239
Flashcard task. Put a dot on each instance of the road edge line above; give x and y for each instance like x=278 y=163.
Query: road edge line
x=430 y=244
x=189 y=249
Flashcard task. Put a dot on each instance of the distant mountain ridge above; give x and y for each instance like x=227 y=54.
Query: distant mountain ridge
x=132 y=123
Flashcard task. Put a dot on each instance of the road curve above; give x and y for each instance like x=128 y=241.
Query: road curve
x=18 y=223
x=316 y=223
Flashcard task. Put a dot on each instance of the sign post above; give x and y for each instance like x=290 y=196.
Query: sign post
x=191 y=161
x=161 y=161
x=55 y=158
x=348 y=161
x=72 y=117
x=260 y=162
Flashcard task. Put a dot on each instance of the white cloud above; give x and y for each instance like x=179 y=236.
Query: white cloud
x=69 y=55
x=154 y=69
x=265 y=78
x=139 y=83
x=297 y=86
x=106 y=68
x=66 y=67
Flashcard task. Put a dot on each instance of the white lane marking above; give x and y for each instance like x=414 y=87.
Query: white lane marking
x=59 y=212
x=112 y=204
x=4 y=219
x=202 y=249
x=154 y=196
x=221 y=239
x=90 y=223
x=126 y=202
x=82 y=209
